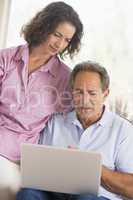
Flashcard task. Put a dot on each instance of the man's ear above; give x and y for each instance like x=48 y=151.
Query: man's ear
x=106 y=93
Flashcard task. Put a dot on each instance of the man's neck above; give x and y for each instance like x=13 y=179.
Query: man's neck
x=88 y=122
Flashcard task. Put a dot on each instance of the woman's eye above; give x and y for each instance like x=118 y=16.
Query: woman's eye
x=56 y=34
x=68 y=40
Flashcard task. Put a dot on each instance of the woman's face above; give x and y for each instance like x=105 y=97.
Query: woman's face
x=59 y=39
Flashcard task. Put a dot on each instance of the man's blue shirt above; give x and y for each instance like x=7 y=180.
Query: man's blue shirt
x=112 y=136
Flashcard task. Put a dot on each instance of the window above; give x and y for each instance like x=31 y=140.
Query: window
x=107 y=38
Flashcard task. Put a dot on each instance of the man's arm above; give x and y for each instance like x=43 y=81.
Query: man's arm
x=117 y=182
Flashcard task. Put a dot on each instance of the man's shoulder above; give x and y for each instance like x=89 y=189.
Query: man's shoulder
x=120 y=121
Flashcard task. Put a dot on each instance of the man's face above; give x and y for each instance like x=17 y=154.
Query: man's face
x=88 y=96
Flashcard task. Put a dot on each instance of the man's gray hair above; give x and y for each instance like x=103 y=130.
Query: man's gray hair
x=90 y=66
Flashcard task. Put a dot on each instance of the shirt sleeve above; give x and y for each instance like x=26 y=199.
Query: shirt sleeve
x=124 y=158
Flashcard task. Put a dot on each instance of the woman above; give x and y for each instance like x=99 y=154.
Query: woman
x=34 y=84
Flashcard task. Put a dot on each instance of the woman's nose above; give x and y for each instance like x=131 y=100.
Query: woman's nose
x=60 y=43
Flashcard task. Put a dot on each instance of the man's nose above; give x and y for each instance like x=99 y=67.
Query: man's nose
x=86 y=99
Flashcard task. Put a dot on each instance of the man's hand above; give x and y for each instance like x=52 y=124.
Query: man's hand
x=117 y=182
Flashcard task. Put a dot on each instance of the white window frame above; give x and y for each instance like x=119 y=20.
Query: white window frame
x=4 y=18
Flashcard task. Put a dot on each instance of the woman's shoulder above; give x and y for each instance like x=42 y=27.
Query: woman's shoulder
x=10 y=52
x=9 y=55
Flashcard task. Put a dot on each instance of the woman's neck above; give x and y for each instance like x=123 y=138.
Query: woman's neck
x=39 y=54
x=37 y=58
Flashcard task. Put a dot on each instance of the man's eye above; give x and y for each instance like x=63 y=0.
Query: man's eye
x=78 y=93
x=93 y=94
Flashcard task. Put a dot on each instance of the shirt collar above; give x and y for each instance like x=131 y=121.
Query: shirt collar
x=52 y=66
x=105 y=117
x=73 y=119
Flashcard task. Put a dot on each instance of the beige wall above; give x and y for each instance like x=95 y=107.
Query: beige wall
x=4 y=16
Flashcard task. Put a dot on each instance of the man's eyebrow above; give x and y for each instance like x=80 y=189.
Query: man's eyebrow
x=91 y=90
x=77 y=89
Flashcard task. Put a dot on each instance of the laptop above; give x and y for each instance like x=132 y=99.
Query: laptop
x=58 y=169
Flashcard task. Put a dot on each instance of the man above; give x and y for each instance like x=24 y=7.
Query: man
x=90 y=126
